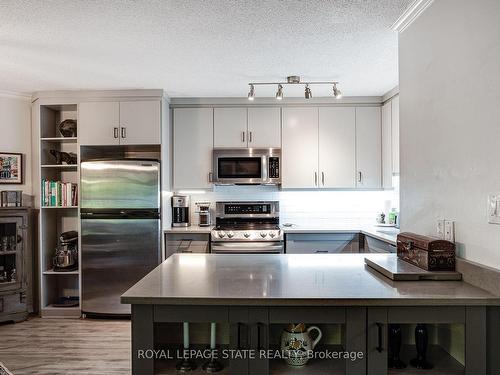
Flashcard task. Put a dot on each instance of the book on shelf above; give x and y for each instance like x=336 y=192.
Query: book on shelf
x=59 y=194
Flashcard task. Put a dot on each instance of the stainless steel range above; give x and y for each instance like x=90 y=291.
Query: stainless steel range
x=247 y=228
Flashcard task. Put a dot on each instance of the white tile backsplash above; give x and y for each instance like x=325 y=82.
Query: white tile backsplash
x=307 y=207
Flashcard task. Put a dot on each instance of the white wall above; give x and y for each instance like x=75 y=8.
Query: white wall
x=449 y=64
x=15 y=134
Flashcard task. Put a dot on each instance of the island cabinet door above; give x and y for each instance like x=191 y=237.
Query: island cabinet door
x=439 y=339
x=316 y=340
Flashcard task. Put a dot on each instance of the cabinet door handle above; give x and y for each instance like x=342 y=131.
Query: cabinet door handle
x=210 y=177
x=379 y=348
x=259 y=334
x=360 y=176
x=321 y=251
x=115 y=132
x=323 y=178
x=241 y=340
x=124 y=132
x=315 y=178
x=250 y=137
x=242 y=136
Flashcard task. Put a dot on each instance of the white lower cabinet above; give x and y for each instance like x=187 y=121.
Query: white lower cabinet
x=368 y=148
x=300 y=148
x=193 y=143
x=328 y=243
x=337 y=142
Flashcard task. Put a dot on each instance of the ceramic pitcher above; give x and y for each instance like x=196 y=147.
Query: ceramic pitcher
x=296 y=343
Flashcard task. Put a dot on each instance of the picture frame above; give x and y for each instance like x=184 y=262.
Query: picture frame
x=11 y=168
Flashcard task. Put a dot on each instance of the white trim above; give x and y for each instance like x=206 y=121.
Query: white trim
x=411 y=14
x=78 y=95
x=15 y=95
x=390 y=94
x=272 y=102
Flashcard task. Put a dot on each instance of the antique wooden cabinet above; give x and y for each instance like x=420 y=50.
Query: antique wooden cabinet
x=16 y=263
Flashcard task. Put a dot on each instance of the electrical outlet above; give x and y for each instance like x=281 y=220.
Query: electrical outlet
x=449 y=230
x=494 y=209
x=440 y=228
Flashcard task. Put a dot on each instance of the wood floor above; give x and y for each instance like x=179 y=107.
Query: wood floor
x=66 y=346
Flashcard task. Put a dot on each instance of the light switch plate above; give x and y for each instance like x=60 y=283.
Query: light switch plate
x=494 y=209
x=449 y=230
x=440 y=228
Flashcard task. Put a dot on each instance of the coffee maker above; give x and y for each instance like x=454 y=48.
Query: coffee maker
x=66 y=255
x=204 y=214
x=180 y=211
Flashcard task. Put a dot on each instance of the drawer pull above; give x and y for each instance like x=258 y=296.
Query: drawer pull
x=379 y=348
x=321 y=251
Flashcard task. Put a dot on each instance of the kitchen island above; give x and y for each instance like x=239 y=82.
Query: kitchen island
x=251 y=297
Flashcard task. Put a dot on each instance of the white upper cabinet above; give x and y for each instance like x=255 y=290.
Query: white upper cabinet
x=386 y=146
x=395 y=134
x=193 y=142
x=125 y=123
x=140 y=122
x=264 y=127
x=300 y=148
x=230 y=127
x=337 y=142
x=368 y=148
x=99 y=123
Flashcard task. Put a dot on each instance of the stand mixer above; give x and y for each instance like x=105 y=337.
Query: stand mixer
x=66 y=254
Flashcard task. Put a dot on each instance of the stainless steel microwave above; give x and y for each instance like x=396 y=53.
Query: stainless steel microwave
x=247 y=166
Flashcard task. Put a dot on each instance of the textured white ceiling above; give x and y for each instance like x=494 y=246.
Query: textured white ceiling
x=198 y=48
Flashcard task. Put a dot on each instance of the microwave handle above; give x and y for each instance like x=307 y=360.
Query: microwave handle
x=265 y=168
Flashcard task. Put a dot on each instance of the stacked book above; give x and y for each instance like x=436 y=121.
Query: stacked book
x=59 y=194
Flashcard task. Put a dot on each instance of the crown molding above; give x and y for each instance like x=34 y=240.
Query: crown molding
x=411 y=14
x=15 y=95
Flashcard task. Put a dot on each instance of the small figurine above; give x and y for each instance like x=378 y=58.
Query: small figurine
x=66 y=157
x=67 y=128
x=381 y=218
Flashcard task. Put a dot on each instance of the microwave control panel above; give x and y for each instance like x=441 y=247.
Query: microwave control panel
x=274 y=167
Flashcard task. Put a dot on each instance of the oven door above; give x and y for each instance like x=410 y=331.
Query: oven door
x=237 y=169
x=250 y=247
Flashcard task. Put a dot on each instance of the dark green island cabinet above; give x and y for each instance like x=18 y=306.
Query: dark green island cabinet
x=241 y=305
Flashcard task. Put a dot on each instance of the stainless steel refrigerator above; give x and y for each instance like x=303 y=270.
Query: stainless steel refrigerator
x=120 y=225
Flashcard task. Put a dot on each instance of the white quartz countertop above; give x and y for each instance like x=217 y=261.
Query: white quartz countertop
x=387 y=234
x=291 y=280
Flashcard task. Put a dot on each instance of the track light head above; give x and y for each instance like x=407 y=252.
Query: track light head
x=308 y=93
x=279 y=93
x=336 y=92
x=251 y=93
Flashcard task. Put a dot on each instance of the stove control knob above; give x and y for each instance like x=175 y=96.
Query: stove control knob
x=272 y=234
x=221 y=234
x=263 y=234
x=246 y=234
x=230 y=234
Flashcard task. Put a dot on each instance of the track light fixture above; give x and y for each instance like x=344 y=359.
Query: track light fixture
x=308 y=94
x=336 y=92
x=279 y=93
x=294 y=80
x=251 y=93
